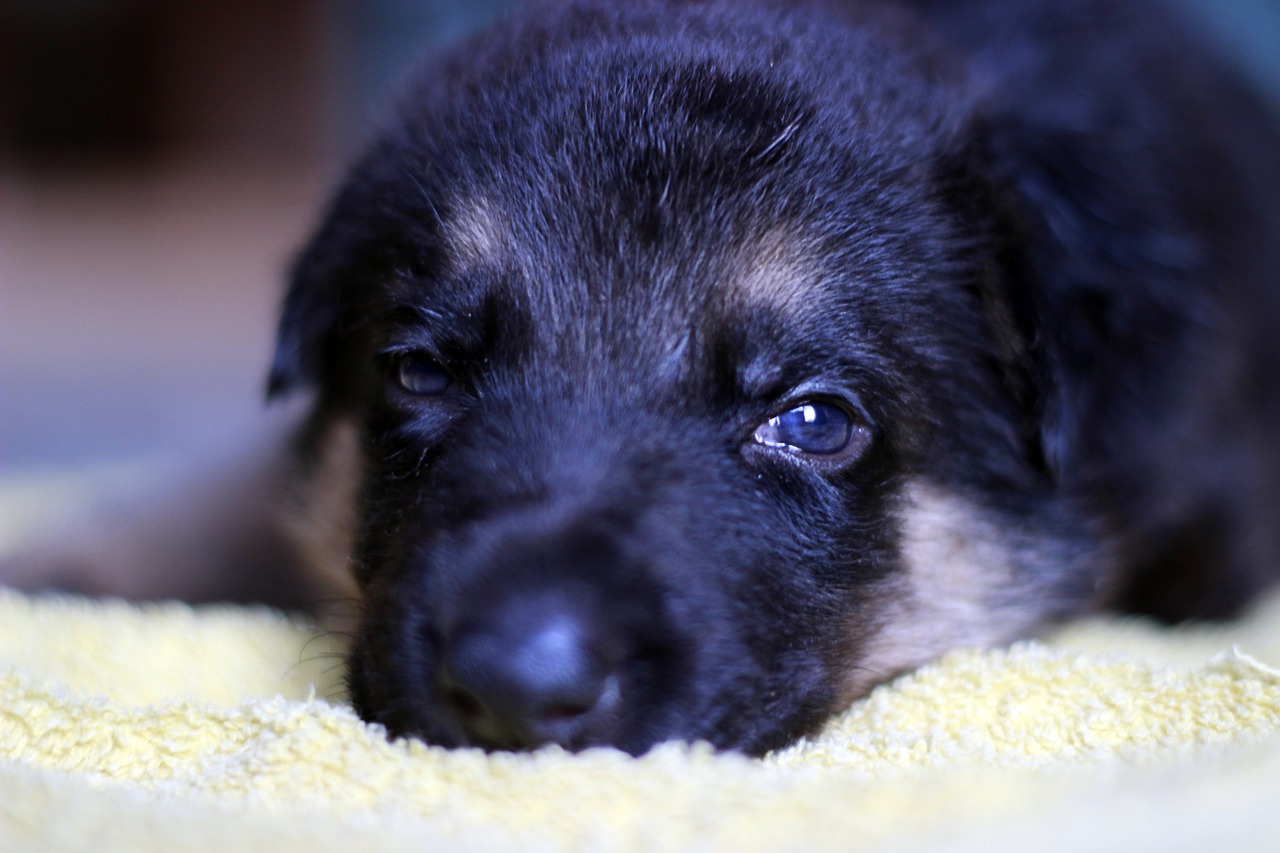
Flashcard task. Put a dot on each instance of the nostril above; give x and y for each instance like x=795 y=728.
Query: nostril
x=467 y=707
x=554 y=713
x=565 y=711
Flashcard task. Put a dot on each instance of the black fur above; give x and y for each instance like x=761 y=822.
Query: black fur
x=1029 y=247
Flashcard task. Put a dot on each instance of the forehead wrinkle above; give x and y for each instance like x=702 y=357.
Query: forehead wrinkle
x=604 y=298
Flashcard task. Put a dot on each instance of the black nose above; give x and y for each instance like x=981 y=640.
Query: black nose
x=528 y=675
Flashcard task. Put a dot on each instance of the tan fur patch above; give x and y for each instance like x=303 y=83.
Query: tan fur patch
x=324 y=519
x=776 y=274
x=475 y=233
x=958 y=590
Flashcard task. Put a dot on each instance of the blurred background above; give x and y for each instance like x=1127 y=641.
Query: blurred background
x=160 y=161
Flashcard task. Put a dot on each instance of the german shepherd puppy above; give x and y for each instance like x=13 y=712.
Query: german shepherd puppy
x=681 y=369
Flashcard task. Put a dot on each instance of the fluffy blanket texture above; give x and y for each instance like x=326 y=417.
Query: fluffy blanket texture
x=162 y=727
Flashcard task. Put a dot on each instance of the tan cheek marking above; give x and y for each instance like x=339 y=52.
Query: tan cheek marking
x=956 y=590
x=323 y=519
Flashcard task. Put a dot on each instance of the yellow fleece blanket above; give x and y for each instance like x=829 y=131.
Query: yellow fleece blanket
x=162 y=727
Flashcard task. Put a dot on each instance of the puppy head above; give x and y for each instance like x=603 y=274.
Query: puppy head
x=679 y=404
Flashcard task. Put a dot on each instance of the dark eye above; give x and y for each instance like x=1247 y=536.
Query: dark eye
x=420 y=375
x=815 y=427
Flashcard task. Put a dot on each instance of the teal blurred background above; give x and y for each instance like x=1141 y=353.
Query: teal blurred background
x=159 y=162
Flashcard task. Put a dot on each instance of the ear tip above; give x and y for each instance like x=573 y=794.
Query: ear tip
x=285 y=373
x=278 y=385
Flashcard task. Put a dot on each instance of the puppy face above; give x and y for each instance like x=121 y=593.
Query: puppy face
x=671 y=385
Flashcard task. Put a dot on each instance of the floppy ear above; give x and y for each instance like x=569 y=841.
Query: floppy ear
x=1095 y=278
x=309 y=319
x=380 y=223
x=344 y=250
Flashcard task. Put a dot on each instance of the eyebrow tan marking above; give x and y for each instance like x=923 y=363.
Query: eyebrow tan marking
x=475 y=232
x=775 y=273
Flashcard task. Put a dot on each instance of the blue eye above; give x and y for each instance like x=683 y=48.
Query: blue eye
x=814 y=427
x=420 y=375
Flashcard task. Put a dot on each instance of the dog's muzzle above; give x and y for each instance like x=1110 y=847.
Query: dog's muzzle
x=533 y=668
x=547 y=633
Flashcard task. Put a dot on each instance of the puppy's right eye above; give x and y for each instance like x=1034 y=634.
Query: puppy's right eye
x=821 y=430
x=420 y=375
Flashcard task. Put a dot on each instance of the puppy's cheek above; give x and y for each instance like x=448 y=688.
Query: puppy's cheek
x=323 y=518
x=391 y=666
x=364 y=689
x=957 y=587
